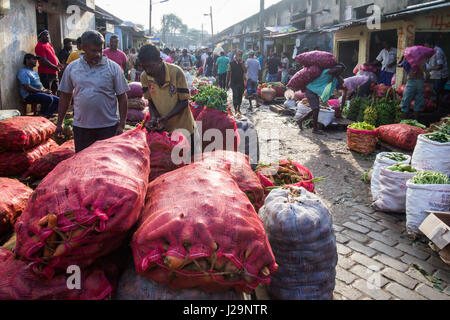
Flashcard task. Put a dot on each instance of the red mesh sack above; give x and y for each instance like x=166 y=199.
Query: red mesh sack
x=402 y=136
x=417 y=55
x=240 y=170
x=42 y=166
x=162 y=147
x=215 y=119
x=22 y=133
x=381 y=91
x=135 y=90
x=16 y=163
x=85 y=207
x=196 y=110
x=401 y=90
x=18 y=282
x=204 y=235
x=304 y=77
x=136 y=115
x=299 y=95
x=322 y=59
x=273 y=174
x=13 y=199
x=137 y=103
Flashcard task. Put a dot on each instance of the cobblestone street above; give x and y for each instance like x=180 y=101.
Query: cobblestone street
x=376 y=258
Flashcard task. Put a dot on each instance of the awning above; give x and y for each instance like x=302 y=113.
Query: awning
x=282 y=29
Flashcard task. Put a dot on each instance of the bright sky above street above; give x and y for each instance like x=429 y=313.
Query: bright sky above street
x=225 y=12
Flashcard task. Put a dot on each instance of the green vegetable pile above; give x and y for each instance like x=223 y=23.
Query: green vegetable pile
x=442 y=135
x=213 y=98
x=371 y=116
x=400 y=167
x=396 y=156
x=362 y=126
x=414 y=123
x=357 y=104
x=430 y=177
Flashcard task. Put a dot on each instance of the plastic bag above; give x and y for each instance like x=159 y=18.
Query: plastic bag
x=304 y=77
x=219 y=127
x=420 y=198
x=418 y=55
x=136 y=115
x=322 y=59
x=22 y=133
x=16 y=163
x=13 y=199
x=43 y=166
x=400 y=135
x=163 y=148
x=137 y=103
x=212 y=223
x=133 y=286
x=86 y=206
x=392 y=192
x=290 y=104
x=300 y=231
x=135 y=90
x=380 y=163
x=431 y=155
x=240 y=170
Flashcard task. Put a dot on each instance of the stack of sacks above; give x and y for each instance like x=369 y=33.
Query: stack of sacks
x=137 y=104
x=23 y=140
x=429 y=106
x=314 y=63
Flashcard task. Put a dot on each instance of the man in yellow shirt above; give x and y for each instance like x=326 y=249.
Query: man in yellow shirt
x=166 y=88
x=75 y=55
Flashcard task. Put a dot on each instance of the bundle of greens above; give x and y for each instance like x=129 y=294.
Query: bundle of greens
x=400 y=167
x=413 y=123
x=430 y=177
x=371 y=116
x=396 y=156
x=439 y=136
x=362 y=126
x=353 y=110
x=213 y=98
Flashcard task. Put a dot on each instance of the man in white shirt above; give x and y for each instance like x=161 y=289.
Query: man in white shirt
x=388 y=59
x=438 y=68
x=284 y=68
x=253 y=76
x=204 y=58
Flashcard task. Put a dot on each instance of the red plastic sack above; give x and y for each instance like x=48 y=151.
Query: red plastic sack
x=402 y=136
x=43 y=166
x=137 y=103
x=417 y=55
x=136 y=115
x=13 y=199
x=135 y=90
x=213 y=120
x=304 y=77
x=85 y=207
x=241 y=171
x=162 y=148
x=22 y=133
x=18 y=282
x=307 y=184
x=212 y=223
x=16 y=163
x=321 y=59
x=196 y=110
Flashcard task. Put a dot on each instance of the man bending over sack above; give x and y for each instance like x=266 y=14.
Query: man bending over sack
x=166 y=88
x=97 y=83
x=321 y=89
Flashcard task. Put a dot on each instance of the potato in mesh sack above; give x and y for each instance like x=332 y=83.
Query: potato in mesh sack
x=21 y=133
x=18 y=282
x=240 y=170
x=300 y=231
x=86 y=206
x=13 y=199
x=205 y=234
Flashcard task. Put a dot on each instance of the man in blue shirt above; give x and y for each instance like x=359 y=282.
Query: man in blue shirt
x=32 y=90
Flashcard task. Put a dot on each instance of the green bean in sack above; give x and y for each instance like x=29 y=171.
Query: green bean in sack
x=86 y=206
x=204 y=234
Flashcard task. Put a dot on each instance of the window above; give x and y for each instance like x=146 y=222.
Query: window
x=361 y=12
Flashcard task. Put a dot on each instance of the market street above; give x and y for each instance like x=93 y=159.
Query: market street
x=367 y=240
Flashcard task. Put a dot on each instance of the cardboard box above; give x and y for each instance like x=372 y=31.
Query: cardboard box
x=437 y=228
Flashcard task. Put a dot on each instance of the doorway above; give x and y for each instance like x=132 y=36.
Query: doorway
x=348 y=55
x=41 y=21
x=376 y=42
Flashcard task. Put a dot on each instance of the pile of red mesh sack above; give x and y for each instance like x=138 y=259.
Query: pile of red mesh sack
x=42 y=166
x=196 y=110
x=402 y=136
x=13 y=199
x=241 y=171
x=209 y=238
x=167 y=152
x=85 y=207
x=218 y=130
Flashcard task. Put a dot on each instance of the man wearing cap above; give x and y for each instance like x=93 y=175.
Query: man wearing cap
x=98 y=85
x=49 y=65
x=32 y=90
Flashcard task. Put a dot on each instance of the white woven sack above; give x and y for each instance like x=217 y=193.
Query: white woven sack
x=326 y=117
x=302 y=110
x=419 y=198
x=431 y=155
x=381 y=162
x=392 y=193
x=290 y=104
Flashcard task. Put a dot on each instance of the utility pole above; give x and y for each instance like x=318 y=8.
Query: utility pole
x=150 y=19
x=202 y=36
x=212 y=28
x=261 y=27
